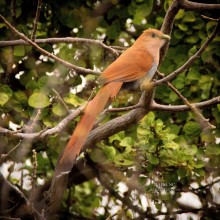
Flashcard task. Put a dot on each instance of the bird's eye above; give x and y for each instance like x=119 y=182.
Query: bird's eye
x=153 y=35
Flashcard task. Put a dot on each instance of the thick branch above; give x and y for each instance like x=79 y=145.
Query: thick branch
x=125 y=120
x=195 y=6
x=168 y=26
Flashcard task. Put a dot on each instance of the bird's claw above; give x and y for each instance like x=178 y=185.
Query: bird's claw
x=146 y=86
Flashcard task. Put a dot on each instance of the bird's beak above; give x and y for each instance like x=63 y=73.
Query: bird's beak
x=165 y=37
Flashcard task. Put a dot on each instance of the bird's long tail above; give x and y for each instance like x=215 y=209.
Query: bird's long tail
x=75 y=144
x=78 y=138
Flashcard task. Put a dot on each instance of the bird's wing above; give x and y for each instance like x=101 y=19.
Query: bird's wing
x=130 y=66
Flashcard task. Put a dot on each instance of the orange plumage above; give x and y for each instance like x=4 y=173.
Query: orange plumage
x=135 y=66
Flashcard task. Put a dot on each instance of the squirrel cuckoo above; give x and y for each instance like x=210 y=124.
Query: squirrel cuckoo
x=134 y=68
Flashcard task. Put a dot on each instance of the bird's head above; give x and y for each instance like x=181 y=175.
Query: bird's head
x=151 y=40
x=154 y=37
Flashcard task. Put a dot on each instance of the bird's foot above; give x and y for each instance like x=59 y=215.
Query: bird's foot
x=146 y=86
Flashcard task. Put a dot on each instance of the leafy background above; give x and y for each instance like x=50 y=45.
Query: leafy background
x=164 y=147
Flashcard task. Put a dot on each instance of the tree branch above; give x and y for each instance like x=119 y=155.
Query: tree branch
x=203 y=122
x=182 y=108
x=168 y=25
x=127 y=119
x=174 y=74
x=195 y=6
x=80 y=70
x=16 y=204
x=33 y=34
x=63 y=40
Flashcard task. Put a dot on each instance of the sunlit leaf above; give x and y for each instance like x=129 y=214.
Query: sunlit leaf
x=3 y=98
x=73 y=100
x=59 y=109
x=110 y=152
x=38 y=100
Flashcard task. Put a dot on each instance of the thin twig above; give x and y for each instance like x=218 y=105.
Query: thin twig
x=33 y=179
x=124 y=200
x=113 y=49
x=58 y=128
x=129 y=108
x=182 y=108
x=204 y=123
x=61 y=100
x=54 y=57
x=30 y=128
x=210 y=19
x=4 y=156
x=20 y=197
x=174 y=74
x=33 y=34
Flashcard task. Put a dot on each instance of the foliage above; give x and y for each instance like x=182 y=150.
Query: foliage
x=157 y=159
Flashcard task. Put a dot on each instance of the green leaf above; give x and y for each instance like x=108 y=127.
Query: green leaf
x=172 y=145
x=173 y=96
x=198 y=24
x=189 y=16
x=179 y=34
x=192 y=51
x=19 y=51
x=212 y=149
x=183 y=27
x=142 y=132
x=142 y=11
x=124 y=160
x=73 y=100
x=174 y=129
x=110 y=152
x=127 y=142
x=153 y=159
x=180 y=14
x=199 y=164
x=114 y=30
x=192 y=39
x=21 y=96
x=98 y=156
x=148 y=120
x=200 y=172
x=49 y=123
x=38 y=100
x=208 y=136
x=3 y=98
x=191 y=128
x=182 y=172
x=7 y=90
x=191 y=150
x=59 y=109
x=179 y=82
x=117 y=137
x=193 y=74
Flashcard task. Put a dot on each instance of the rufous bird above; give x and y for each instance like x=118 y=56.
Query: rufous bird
x=134 y=67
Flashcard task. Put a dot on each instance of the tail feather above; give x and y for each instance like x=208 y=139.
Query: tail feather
x=94 y=107
x=75 y=144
